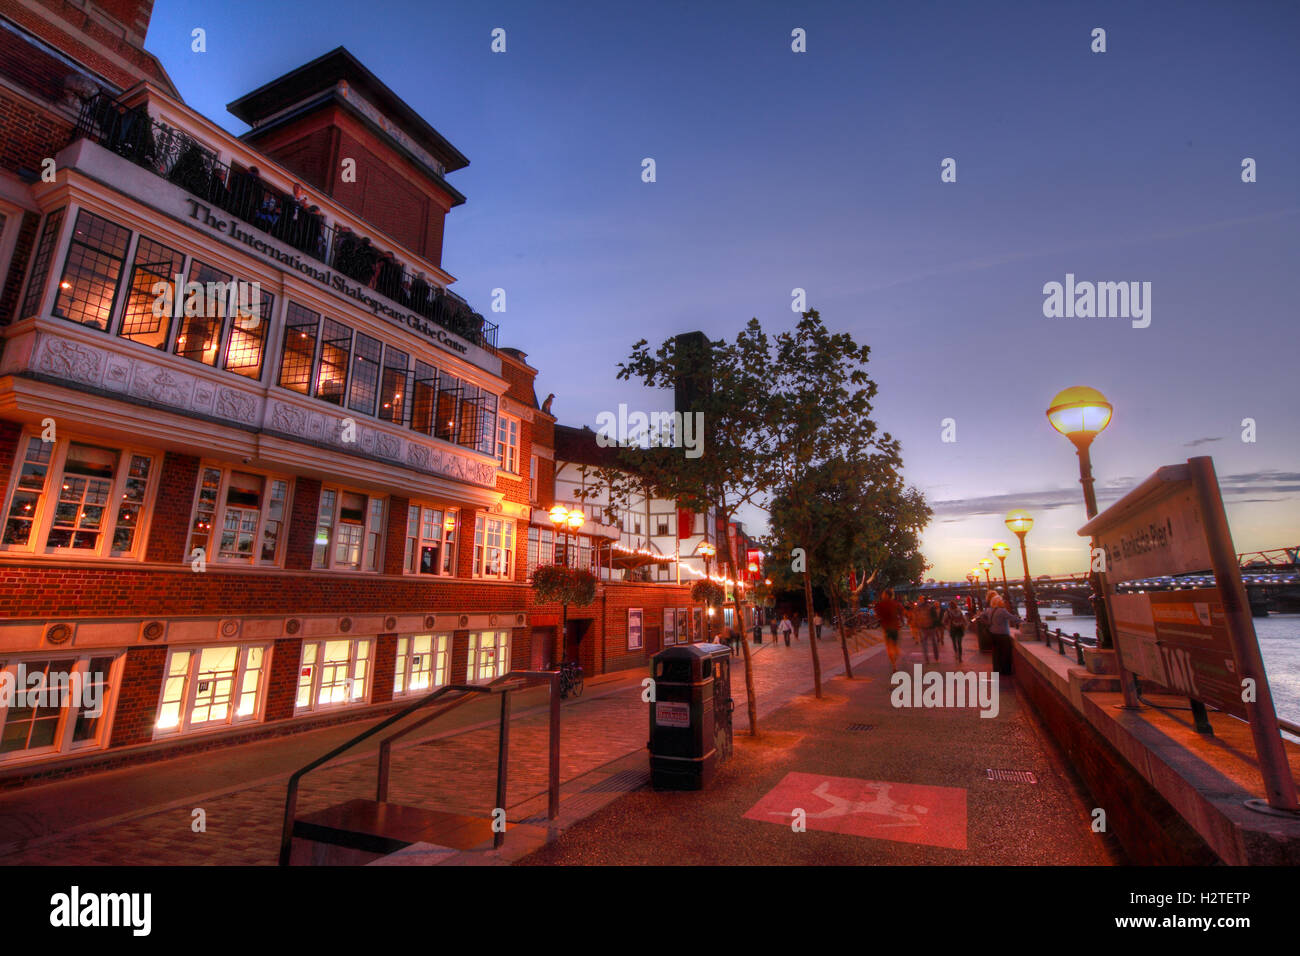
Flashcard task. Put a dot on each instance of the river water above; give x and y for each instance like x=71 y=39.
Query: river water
x=1279 y=644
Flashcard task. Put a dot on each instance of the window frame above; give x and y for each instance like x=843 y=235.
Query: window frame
x=440 y=646
x=190 y=689
x=42 y=521
x=373 y=530
x=317 y=665
x=507 y=449
x=217 y=527
x=474 y=658
x=68 y=709
x=482 y=547
x=414 y=544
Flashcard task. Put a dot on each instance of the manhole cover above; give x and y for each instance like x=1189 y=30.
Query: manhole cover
x=862 y=727
x=1012 y=776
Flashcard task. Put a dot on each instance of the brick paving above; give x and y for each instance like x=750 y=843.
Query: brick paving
x=456 y=772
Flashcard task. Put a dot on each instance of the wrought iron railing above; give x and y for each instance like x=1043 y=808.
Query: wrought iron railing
x=175 y=156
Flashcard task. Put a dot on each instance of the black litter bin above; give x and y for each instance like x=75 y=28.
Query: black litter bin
x=690 y=717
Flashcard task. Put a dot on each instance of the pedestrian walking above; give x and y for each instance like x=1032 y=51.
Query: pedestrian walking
x=890 y=614
x=931 y=629
x=1000 y=621
x=817 y=627
x=786 y=629
x=955 y=620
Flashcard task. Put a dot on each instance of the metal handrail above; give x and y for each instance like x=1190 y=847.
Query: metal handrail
x=1077 y=642
x=503 y=685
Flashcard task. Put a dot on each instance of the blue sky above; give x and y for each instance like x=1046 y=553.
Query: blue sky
x=820 y=170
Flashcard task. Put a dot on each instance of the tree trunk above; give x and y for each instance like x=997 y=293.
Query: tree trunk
x=837 y=610
x=750 y=703
x=812 y=640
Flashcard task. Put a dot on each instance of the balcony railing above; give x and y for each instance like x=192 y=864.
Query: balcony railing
x=167 y=152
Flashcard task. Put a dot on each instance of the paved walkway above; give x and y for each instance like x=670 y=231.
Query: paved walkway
x=852 y=780
x=145 y=815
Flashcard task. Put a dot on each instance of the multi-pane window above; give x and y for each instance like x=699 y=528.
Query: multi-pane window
x=365 y=374
x=392 y=386
x=508 y=443
x=489 y=655
x=335 y=351
x=299 y=355
x=92 y=270
x=349 y=531
x=532 y=478
x=424 y=396
x=334 y=672
x=494 y=547
x=147 y=318
x=422 y=663
x=246 y=509
x=662 y=524
x=202 y=318
x=79 y=498
x=57 y=703
x=41 y=263
x=211 y=687
x=246 y=347
x=541 y=548
x=430 y=540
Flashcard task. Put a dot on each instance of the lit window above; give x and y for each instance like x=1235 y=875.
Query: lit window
x=508 y=443
x=335 y=354
x=494 y=547
x=541 y=548
x=210 y=687
x=393 y=386
x=249 y=510
x=71 y=495
x=422 y=663
x=299 y=353
x=203 y=315
x=430 y=540
x=365 y=374
x=334 y=673
x=92 y=271
x=489 y=655
x=153 y=263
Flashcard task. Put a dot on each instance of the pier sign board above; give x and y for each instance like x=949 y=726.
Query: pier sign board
x=1201 y=641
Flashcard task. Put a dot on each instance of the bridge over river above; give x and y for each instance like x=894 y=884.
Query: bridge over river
x=1272 y=580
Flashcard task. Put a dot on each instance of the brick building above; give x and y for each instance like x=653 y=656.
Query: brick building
x=262 y=469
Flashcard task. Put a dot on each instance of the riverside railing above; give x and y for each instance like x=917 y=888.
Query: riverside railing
x=175 y=156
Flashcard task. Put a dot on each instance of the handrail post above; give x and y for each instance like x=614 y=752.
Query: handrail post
x=503 y=761
x=1078 y=648
x=553 y=783
x=286 y=832
x=381 y=782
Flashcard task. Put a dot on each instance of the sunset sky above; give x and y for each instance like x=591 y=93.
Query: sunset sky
x=821 y=170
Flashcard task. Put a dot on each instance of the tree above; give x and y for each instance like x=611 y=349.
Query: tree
x=731 y=469
x=821 y=431
x=557 y=584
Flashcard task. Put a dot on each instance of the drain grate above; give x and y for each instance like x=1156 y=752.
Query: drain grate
x=861 y=727
x=1012 y=776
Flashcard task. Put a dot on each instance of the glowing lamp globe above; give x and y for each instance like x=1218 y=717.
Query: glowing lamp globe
x=559 y=514
x=1079 y=413
x=1001 y=550
x=1019 y=521
x=986 y=563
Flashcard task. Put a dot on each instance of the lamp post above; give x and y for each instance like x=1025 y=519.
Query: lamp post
x=562 y=517
x=1081 y=414
x=708 y=551
x=986 y=564
x=1000 y=551
x=1019 y=522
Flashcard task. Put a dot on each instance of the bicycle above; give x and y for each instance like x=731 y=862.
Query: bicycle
x=570 y=679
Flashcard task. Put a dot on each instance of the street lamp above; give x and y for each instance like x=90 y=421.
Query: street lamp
x=562 y=517
x=1081 y=414
x=1000 y=551
x=708 y=551
x=1019 y=522
x=986 y=564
